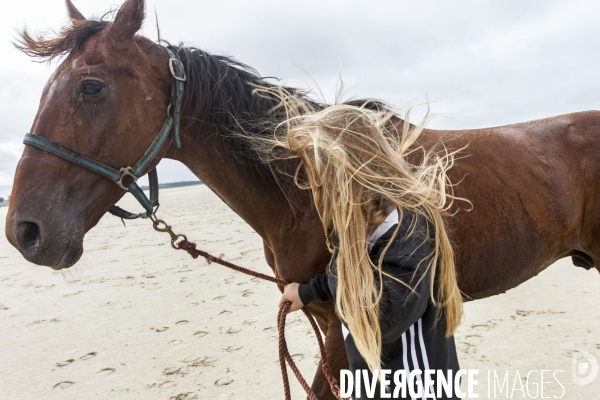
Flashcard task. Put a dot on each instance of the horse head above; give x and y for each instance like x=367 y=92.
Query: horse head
x=106 y=100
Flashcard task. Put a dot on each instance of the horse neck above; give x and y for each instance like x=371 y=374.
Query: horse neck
x=205 y=154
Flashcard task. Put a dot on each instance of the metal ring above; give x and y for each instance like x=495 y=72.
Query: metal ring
x=172 y=62
x=175 y=238
x=156 y=223
x=126 y=172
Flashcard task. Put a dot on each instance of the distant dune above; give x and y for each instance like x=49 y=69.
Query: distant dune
x=176 y=184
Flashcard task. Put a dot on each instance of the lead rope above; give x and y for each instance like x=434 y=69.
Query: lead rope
x=284 y=355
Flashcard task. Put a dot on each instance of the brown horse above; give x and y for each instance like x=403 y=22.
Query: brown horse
x=533 y=185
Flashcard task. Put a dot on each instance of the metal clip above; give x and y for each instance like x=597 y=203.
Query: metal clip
x=156 y=224
x=172 y=63
x=126 y=172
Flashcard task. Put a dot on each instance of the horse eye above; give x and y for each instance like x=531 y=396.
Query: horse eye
x=92 y=88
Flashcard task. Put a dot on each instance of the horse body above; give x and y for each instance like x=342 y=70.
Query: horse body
x=533 y=191
x=532 y=185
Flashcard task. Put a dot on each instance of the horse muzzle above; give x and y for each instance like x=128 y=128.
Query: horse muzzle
x=57 y=250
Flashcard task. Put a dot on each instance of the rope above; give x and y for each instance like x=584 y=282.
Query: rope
x=284 y=354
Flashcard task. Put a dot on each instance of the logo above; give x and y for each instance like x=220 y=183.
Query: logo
x=585 y=368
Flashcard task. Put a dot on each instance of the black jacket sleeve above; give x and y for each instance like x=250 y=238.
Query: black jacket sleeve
x=317 y=289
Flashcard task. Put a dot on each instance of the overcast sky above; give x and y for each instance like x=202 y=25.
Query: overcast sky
x=480 y=63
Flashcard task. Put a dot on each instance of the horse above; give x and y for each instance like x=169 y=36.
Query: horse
x=533 y=186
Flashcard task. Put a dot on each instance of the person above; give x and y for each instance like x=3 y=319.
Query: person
x=391 y=276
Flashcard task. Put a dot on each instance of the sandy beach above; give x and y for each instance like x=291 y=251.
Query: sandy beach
x=135 y=319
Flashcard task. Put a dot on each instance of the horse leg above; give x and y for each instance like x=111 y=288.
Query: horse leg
x=334 y=348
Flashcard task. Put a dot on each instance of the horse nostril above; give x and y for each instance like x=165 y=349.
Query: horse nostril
x=28 y=235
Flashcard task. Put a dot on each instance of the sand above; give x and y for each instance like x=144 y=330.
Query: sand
x=136 y=319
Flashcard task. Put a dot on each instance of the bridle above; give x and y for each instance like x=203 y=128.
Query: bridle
x=126 y=177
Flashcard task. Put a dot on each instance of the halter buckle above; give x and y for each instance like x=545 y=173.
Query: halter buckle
x=126 y=172
x=177 y=69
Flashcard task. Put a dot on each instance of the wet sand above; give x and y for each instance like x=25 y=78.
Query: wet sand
x=136 y=319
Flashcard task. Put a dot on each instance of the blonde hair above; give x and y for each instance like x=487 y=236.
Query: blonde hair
x=354 y=161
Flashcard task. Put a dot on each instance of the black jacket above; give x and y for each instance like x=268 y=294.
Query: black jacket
x=412 y=328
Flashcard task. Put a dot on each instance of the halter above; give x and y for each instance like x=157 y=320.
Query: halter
x=127 y=177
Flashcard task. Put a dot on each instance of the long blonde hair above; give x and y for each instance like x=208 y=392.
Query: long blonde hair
x=354 y=161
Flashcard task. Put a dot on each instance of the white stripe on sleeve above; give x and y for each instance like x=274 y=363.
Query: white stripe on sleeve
x=424 y=352
x=405 y=359
x=345 y=331
x=413 y=352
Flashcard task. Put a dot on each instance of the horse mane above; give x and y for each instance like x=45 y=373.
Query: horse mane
x=221 y=92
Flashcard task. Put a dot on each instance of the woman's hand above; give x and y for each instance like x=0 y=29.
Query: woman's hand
x=290 y=293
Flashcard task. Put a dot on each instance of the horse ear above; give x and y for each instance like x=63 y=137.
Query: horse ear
x=74 y=13
x=128 y=20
